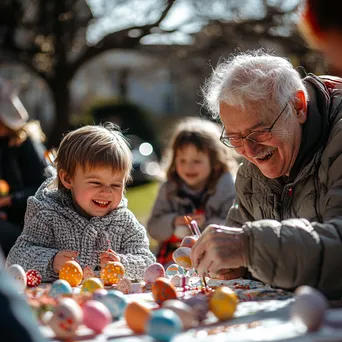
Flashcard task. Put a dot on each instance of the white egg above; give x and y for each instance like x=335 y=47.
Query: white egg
x=66 y=318
x=17 y=273
x=309 y=309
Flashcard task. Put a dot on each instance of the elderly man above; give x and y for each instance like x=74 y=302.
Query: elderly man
x=286 y=225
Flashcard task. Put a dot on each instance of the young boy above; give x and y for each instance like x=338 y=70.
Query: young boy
x=86 y=214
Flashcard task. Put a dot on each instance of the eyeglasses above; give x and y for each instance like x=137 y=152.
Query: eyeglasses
x=257 y=136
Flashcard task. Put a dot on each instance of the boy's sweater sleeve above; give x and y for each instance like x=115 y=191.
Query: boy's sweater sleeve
x=135 y=253
x=160 y=224
x=33 y=249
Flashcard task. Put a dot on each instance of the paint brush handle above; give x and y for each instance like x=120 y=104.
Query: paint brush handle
x=195 y=228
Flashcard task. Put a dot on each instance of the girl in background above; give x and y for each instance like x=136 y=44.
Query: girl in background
x=199 y=183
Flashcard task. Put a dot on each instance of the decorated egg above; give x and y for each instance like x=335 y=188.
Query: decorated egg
x=153 y=272
x=91 y=284
x=183 y=310
x=163 y=325
x=124 y=285
x=99 y=293
x=96 y=315
x=112 y=273
x=66 y=318
x=116 y=303
x=162 y=290
x=180 y=280
x=309 y=308
x=188 y=241
x=4 y=188
x=182 y=257
x=60 y=287
x=174 y=269
x=200 y=306
x=18 y=274
x=72 y=272
x=33 y=278
x=136 y=316
x=223 y=303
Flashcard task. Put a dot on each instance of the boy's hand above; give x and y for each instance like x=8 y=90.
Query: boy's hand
x=62 y=257
x=108 y=256
x=88 y=272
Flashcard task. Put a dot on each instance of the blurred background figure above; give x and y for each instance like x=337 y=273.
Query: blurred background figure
x=199 y=183
x=22 y=163
x=321 y=26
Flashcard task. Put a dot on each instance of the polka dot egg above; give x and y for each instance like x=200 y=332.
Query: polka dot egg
x=72 y=272
x=33 y=278
x=174 y=269
x=60 y=287
x=112 y=273
x=91 y=284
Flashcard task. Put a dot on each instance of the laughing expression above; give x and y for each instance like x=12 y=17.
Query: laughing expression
x=275 y=157
x=193 y=166
x=96 y=191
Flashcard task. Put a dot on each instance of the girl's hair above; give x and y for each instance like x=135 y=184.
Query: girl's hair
x=204 y=135
x=94 y=146
x=254 y=76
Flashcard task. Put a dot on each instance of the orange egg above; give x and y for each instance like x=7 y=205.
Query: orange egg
x=136 y=316
x=162 y=290
x=72 y=272
x=112 y=273
x=4 y=188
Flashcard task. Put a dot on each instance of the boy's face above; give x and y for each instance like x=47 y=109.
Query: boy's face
x=96 y=191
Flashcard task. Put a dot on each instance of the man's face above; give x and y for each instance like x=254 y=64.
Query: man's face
x=96 y=191
x=275 y=157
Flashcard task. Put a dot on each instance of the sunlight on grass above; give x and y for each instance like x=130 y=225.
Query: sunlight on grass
x=140 y=201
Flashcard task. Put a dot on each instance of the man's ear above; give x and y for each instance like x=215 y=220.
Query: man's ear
x=300 y=105
x=65 y=179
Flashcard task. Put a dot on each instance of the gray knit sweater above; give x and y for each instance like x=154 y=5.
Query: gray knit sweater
x=52 y=224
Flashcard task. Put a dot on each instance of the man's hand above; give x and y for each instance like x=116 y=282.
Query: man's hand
x=108 y=256
x=218 y=249
x=62 y=257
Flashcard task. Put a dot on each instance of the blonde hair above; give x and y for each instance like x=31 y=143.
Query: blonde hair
x=204 y=135
x=93 y=146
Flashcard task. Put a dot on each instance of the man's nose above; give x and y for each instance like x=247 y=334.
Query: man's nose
x=251 y=148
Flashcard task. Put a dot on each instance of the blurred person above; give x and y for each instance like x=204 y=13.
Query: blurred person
x=286 y=224
x=321 y=25
x=81 y=212
x=22 y=164
x=199 y=183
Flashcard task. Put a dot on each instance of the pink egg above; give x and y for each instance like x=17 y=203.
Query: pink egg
x=153 y=272
x=96 y=315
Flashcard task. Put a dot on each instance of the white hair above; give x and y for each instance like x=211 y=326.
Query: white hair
x=254 y=76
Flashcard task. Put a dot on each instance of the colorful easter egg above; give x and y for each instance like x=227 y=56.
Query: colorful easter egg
x=153 y=272
x=4 y=188
x=183 y=310
x=162 y=290
x=124 y=285
x=136 y=316
x=116 y=303
x=67 y=316
x=112 y=273
x=188 y=241
x=96 y=315
x=91 y=284
x=72 y=272
x=180 y=280
x=309 y=308
x=33 y=278
x=17 y=273
x=181 y=256
x=174 y=269
x=163 y=325
x=60 y=287
x=200 y=306
x=223 y=303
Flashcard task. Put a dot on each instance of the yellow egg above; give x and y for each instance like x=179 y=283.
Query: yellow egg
x=91 y=284
x=136 y=316
x=223 y=303
x=72 y=272
x=112 y=273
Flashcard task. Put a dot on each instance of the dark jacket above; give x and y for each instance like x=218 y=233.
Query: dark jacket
x=22 y=167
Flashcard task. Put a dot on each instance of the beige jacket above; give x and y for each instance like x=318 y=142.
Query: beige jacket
x=295 y=226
